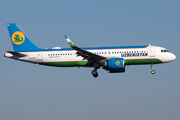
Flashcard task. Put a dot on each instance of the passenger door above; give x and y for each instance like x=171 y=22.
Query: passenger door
x=39 y=56
x=152 y=51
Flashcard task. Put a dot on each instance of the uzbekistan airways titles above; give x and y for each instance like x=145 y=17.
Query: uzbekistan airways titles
x=133 y=54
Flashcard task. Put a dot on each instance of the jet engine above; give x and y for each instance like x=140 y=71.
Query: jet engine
x=114 y=65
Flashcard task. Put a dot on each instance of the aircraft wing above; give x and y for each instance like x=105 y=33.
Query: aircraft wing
x=85 y=54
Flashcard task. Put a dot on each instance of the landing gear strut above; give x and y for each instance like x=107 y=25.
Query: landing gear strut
x=94 y=72
x=152 y=71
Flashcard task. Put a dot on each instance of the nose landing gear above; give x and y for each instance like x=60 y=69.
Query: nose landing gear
x=152 y=71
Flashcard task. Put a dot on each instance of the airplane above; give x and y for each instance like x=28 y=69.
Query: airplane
x=112 y=59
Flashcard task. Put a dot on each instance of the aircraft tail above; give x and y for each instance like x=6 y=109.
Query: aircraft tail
x=20 y=41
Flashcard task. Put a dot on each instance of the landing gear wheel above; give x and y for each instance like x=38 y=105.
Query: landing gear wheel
x=94 y=73
x=153 y=72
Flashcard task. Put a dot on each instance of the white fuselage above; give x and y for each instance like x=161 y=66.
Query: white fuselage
x=60 y=55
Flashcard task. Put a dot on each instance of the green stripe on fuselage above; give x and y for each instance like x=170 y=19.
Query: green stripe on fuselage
x=83 y=63
x=142 y=61
x=66 y=64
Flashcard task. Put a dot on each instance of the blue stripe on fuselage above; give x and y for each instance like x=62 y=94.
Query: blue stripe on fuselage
x=94 y=48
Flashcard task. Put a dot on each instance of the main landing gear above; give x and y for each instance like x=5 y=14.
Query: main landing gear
x=152 y=71
x=94 y=72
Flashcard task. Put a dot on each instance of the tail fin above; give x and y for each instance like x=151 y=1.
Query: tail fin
x=20 y=41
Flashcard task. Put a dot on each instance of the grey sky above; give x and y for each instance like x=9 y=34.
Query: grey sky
x=38 y=92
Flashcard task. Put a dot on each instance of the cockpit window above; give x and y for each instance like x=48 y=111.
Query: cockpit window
x=164 y=51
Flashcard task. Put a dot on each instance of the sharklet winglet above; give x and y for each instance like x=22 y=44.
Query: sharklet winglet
x=69 y=41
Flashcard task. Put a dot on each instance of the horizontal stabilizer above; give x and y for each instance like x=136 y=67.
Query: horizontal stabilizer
x=16 y=54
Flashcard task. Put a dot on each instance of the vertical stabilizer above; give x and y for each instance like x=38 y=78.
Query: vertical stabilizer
x=20 y=41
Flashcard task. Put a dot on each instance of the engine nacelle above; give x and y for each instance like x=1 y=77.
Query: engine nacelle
x=115 y=65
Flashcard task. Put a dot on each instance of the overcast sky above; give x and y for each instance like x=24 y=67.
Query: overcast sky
x=35 y=92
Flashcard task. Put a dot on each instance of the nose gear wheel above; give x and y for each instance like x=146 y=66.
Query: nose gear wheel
x=152 y=71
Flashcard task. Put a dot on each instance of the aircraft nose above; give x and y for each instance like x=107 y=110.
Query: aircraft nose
x=172 y=57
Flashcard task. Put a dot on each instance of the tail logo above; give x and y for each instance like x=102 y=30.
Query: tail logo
x=117 y=63
x=18 y=38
